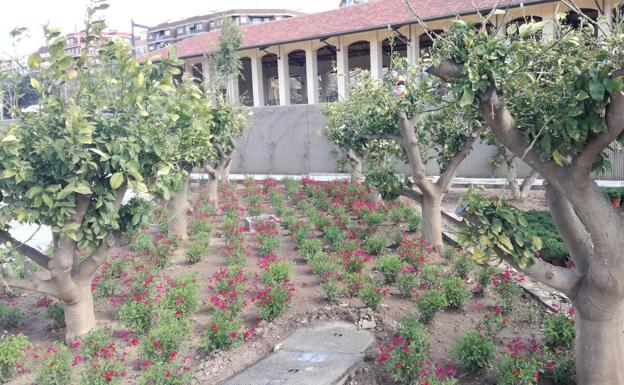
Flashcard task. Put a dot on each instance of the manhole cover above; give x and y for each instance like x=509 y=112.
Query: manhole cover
x=338 y=337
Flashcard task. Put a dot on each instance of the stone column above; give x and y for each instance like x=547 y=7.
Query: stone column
x=342 y=68
x=257 y=83
x=376 y=57
x=283 y=76
x=413 y=48
x=232 y=89
x=312 y=81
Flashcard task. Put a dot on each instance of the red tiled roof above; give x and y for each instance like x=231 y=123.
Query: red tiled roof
x=368 y=16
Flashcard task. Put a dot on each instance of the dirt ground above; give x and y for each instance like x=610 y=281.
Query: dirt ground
x=308 y=306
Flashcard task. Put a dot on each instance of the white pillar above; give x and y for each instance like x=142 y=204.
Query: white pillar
x=232 y=89
x=413 y=48
x=376 y=57
x=312 y=81
x=342 y=68
x=256 y=81
x=284 y=79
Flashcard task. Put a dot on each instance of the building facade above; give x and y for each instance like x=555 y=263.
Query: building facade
x=75 y=42
x=311 y=58
x=165 y=34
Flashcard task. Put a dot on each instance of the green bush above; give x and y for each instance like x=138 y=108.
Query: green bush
x=375 y=219
x=407 y=283
x=274 y=300
x=94 y=340
x=404 y=357
x=430 y=303
x=165 y=337
x=371 y=295
x=413 y=221
x=559 y=331
x=333 y=235
x=11 y=316
x=399 y=213
x=12 y=352
x=107 y=367
x=56 y=313
x=168 y=373
x=389 y=265
x=430 y=274
x=268 y=245
x=455 y=291
x=136 y=313
x=56 y=367
x=323 y=263
x=561 y=366
x=195 y=252
x=277 y=272
x=376 y=243
x=473 y=351
x=182 y=296
x=517 y=369
x=223 y=332
x=331 y=289
x=308 y=248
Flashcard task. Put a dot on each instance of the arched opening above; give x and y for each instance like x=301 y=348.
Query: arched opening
x=426 y=41
x=245 y=87
x=489 y=27
x=297 y=71
x=522 y=21
x=328 y=83
x=270 y=79
x=197 y=71
x=580 y=19
x=392 y=47
x=359 y=58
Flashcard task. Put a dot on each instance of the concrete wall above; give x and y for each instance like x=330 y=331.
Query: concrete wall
x=290 y=140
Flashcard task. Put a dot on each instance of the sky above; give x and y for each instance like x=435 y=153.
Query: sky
x=69 y=15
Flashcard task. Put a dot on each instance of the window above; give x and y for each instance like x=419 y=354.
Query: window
x=199 y=26
x=212 y=25
x=180 y=30
x=243 y=19
x=167 y=33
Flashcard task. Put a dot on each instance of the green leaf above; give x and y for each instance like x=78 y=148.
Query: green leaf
x=82 y=188
x=537 y=242
x=557 y=157
x=467 y=97
x=116 y=180
x=101 y=153
x=34 y=61
x=506 y=242
x=597 y=91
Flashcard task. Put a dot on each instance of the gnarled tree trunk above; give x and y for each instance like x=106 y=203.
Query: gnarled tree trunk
x=432 y=220
x=79 y=314
x=177 y=209
x=356 y=167
x=518 y=191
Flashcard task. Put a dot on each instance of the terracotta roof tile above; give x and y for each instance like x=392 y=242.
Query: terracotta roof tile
x=372 y=15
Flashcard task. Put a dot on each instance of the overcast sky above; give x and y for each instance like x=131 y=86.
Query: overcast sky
x=69 y=14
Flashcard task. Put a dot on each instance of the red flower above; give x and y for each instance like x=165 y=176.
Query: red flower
x=75 y=344
x=233 y=335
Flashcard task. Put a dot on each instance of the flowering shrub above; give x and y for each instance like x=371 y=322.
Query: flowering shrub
x=308 y=248
x=165 y=338
x=507 y=287
x=455 y=291
x=200 y=224
x=268 y=244
x=105 y=367
x=182 y=295
x=331 y=288
x=430 y=276
x=323 y=263
x=92 y=342
x=274 y=300
x=561 y=367
x=223 y=332
x=520 y=364
x=56 y=313
x=354 y=262
x=136 y=313
x=473 y=351
x=374 y=219
x=493 y=322
x=174 y=372
x=430 y=303
x=106 y=282
x=56 y=366
x=333 y=235
x=389 y=265
x=559 y=331
x=195 y=252
x=12 y=351
x=371 y=295
x=275 y=271
x=354 y=282
x=414 y=252
x=11 y=316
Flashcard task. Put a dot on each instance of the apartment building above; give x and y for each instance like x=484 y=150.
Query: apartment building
x=75 y=41
x=164 y=34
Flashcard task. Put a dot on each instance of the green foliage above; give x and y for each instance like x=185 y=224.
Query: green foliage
x=333 y=235
x=136 y=313
x=226 y=60
x=375 y=218
x=56 y=313
x=563 y=369
x=331 y=289
x=473 y=351
x=553 y=248
x=166 y=337
x=277 y=272
x=559 y=331
x=517 y=368
x=268 y=244
x=495 y=227
x=195 y=252
x=414 y=220
x=168 y=373
x=455 y=291
x=400 y=213
x=430 y=303
x=389 y=265
x=323 y=263
x=375 y=244
x=223 y=332
x=310 y=247
x=407 y=283
x=371 y=294
x=405 y=357
x=56 y=367
x=11 y=316
x=135 y=215
x=12 y=351
x=182 y=297
x=273 y=301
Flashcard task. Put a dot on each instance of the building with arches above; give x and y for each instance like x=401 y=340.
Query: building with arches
x=310 y=59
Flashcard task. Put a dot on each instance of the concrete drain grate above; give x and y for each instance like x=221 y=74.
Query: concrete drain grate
x=322 y=355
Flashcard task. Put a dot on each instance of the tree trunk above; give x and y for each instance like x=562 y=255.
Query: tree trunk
x=356 y=167
x=225 y=174
x=527 y=183
x=599 y=350
x=213 y=188
x=432 y=220
x=79 y=314
x=519 y=192
x=177 y=210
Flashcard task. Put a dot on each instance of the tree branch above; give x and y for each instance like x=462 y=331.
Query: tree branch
x=447 y=70
x=412 y=194
x=31 y=284
x=25 y=250
x=559 y=278
x=409 y=142
x=572 y=231
x=500 y=121
x=90 y=265
x=387 y=136
x=447 y=176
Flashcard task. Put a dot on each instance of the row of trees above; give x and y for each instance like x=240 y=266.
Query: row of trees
x=106 y=124
x=557 y=103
